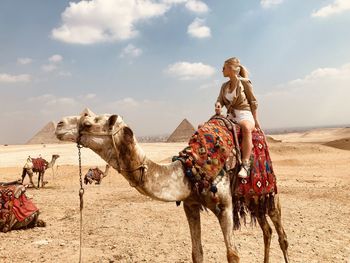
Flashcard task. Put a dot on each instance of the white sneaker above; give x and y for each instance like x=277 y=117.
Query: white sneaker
x=245 y=170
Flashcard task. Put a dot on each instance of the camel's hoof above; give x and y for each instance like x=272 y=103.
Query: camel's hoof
x=40 y=223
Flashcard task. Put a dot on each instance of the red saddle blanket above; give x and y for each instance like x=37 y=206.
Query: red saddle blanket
x=262 y=179
x=14 y=201
x=205 y=157
x=39 y=164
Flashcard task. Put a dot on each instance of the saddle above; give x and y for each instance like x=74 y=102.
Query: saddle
x=215 y=149
x=94 y=174
x=39 y=164
x=14 y=204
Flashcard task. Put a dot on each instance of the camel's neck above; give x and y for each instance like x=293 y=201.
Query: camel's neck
x=162 y=182
x=106 y=171
x=51 y=163
x=166 y=182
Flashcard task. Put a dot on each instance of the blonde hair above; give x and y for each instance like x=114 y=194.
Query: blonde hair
x=243 y=70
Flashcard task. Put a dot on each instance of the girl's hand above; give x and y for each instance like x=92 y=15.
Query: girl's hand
x=257 y=125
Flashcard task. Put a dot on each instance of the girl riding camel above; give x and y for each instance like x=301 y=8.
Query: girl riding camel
x=238 y=98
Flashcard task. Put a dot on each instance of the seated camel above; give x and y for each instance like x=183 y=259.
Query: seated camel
x=39 y=166
x=16 y=210
x=95 y=174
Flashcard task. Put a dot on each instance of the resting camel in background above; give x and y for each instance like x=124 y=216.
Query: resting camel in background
x=109 y=137
x=95 y=174
x=39 y=166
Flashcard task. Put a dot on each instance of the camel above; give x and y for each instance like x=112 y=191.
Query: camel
x=30 y=167
x=16 y=211
x=95 y=174
x=109 y=137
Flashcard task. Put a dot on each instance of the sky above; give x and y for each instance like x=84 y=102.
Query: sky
x=156 y=62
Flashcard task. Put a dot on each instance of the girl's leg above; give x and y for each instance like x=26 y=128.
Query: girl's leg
x=246 y=127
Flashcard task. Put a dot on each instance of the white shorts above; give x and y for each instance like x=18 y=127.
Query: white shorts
x=243 y=115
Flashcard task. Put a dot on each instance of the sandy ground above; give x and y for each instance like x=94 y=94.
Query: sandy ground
x=120 y=225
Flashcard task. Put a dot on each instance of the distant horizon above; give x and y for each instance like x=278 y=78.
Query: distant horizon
x=272 y=131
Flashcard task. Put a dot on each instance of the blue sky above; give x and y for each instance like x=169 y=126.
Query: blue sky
x=157 y=62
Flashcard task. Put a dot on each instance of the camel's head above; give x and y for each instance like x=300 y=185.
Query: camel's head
x=88 y=127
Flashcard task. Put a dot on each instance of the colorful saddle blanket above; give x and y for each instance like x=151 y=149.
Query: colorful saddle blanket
x=13 y=201
x=39 y=164
x=262 y=179
x=208 y=150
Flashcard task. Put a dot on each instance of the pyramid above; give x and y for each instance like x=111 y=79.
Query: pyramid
x=45 y=135
x=182 y=133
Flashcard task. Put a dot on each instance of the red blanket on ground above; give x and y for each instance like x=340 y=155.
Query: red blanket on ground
x=205 y=157
x=21 y=207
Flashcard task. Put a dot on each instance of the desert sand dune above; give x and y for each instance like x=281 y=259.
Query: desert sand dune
x=121 y=225
x=316 y=135
x=343 y=144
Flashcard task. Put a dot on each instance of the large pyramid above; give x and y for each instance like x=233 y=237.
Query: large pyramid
x=182 y=133
x=45 y=135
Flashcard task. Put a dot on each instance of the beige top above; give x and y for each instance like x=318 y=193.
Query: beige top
x=243 y=98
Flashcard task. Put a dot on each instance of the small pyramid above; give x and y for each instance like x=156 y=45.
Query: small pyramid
x=45 y=135
x=182 y=133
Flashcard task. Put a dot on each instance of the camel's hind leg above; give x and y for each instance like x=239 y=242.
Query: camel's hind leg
x=226 y=223
x=194 y=221
x=30 y=174
x=275 y=216
x=24 y=173
x=267 y=231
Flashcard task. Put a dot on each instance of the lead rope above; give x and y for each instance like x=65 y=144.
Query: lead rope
x=81 y=193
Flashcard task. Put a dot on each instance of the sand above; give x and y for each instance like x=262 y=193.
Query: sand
x=121 y=225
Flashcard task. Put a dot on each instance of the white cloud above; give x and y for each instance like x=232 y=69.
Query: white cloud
x=131 y=51
x=49 y=67
x=197 y=6
x=88 y=22
x=270 y=3
x=24 y=61
x=7 y=78
x=55 y=58
x=337 y=7
x=198 y=29
x=319 y=98
x=61 y=102
x=186 y=70
x=52 y=100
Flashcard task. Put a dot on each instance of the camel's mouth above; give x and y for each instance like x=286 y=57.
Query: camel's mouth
x=66 y=136
x=66 y=129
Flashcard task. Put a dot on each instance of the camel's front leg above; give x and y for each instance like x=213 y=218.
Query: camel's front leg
x=226 y=222
x=267 y=232
x=194 y=221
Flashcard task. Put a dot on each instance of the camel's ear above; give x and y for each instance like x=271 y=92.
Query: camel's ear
x=128 y=134
x=112 y=120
